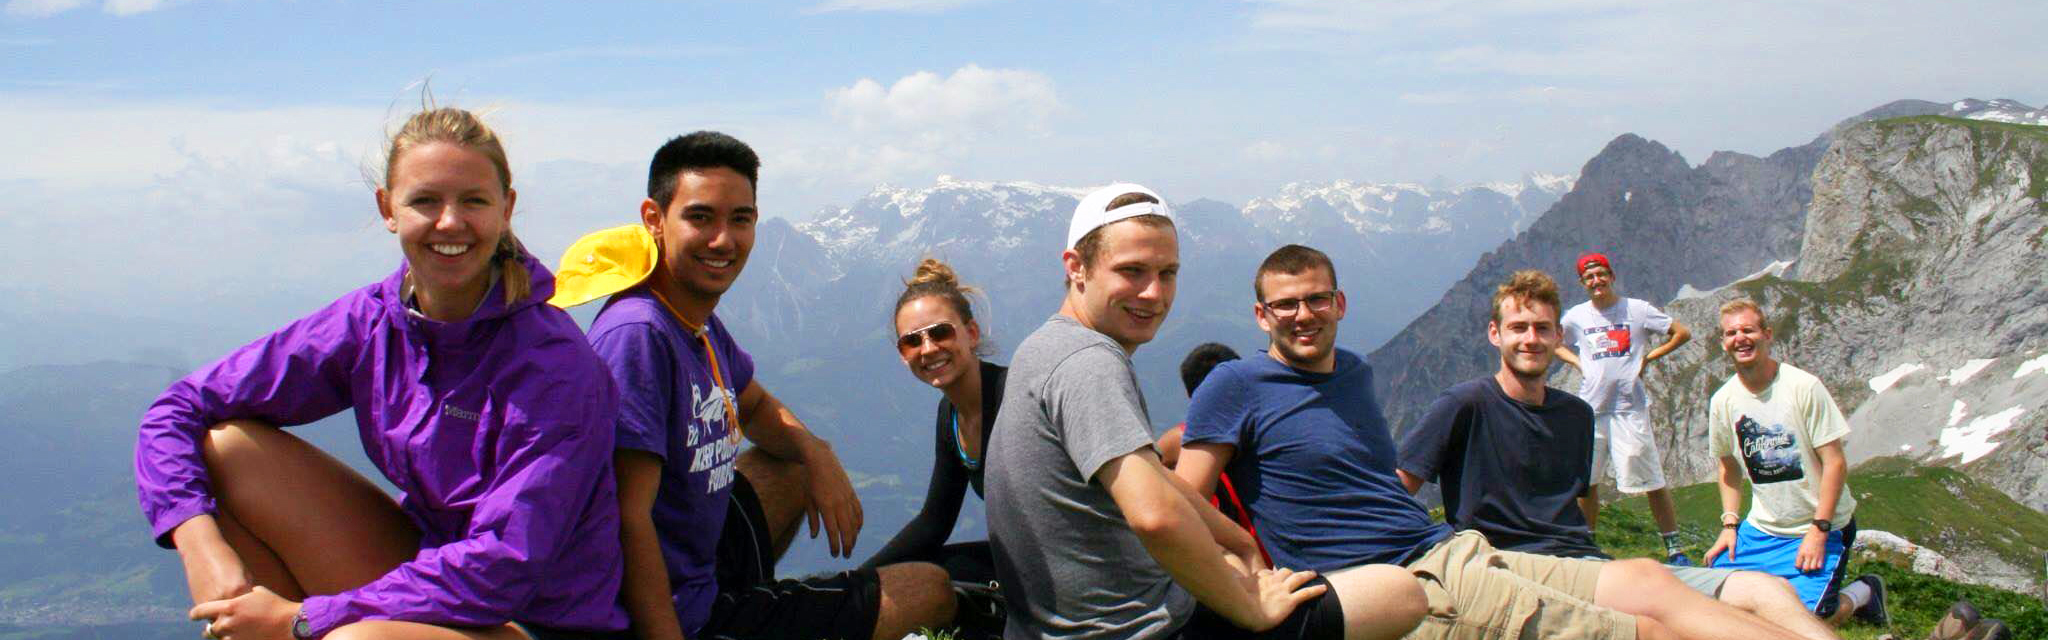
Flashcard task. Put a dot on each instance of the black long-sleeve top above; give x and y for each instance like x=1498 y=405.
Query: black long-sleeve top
x=922 y=537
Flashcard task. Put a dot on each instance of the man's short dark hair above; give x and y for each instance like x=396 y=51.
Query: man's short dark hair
x=1292 y=259
x=1200 y=361
x=700 y=150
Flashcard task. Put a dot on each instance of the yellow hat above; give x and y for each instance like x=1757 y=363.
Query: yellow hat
x=603 y=263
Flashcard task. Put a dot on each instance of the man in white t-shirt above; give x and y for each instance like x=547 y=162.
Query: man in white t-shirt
x=1778 y=426
x=1605 y=338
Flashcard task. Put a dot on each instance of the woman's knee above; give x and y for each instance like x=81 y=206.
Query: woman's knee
x=229 y=441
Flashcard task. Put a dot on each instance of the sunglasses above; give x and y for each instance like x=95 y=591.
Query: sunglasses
x=938 y=332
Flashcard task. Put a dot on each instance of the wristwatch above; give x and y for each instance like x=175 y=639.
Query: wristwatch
x=302 y=629
x=1823 y=525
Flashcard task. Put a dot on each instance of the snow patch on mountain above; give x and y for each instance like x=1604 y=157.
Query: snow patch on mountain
x=2000 y=110
x=1973 y=441
x=1963 y=373
x=1885 y=380
x=1406 y=207
x=2037 y=364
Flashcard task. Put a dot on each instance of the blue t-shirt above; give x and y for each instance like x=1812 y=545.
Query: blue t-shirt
x=670 y=407
x=1314 y=463
x=1509 y=470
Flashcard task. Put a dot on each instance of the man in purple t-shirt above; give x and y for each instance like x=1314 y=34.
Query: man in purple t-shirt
x=702 y=522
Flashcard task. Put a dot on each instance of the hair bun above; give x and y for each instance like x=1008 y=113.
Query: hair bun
x=934 y=271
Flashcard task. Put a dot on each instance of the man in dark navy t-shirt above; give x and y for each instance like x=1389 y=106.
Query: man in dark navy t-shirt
x=1509 y=469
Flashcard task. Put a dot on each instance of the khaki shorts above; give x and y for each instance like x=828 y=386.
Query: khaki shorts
x=1479 y=593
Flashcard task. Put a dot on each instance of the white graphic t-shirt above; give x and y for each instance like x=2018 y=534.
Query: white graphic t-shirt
x=1772 y=436
x=1610 y=343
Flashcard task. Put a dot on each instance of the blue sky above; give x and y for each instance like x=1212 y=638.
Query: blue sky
x=171 y=159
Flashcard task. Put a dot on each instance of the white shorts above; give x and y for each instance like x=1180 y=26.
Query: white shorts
x=1624 y=437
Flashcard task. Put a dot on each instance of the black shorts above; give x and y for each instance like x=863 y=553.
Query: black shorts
x=751 y=604
x=1318 y=619
x=545 y=633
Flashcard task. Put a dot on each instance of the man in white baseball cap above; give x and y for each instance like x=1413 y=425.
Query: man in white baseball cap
x=1093 y=538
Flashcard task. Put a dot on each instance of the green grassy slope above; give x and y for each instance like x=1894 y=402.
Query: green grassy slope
x=1937 y=506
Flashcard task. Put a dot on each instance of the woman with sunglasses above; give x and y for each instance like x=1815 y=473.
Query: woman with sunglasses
x=940 y=343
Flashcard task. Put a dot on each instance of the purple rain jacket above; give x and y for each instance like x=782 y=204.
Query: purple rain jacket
x=497 y=431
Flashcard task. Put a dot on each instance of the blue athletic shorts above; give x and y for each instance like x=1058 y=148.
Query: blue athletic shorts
x=1778 y=556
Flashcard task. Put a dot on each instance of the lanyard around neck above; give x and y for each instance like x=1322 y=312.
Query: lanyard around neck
x=724 y=391
x=960 y=446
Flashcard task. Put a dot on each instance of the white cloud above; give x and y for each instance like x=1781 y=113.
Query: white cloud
x=893 y=6
x=134 y=7
x=122 y=8
x=1265 y=151
x=575 y=54
x=1436 y=97
x=972 y=100
x=26 y=42
x=41 y=8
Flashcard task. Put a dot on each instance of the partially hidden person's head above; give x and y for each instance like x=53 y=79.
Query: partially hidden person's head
x=936 y=334
x=1297 y=303
x=1596 y=273
x=1200 y=361
x=1122 y=262
x=1524 y=325
x=1745 y=333
x=447 y=193
x=700 y=209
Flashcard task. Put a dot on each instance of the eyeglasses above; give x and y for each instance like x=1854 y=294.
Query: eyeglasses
x=1289 y=307
x=938 y=332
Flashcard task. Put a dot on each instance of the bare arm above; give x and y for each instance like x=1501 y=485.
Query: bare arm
x=777 y=432
x=1834 y=473
x=1569 y=355
x=1411 y=483
x=1729 y=483
x=1171 y=530
x=1200 y=464
x=1834 y=470
x=645 y=590
x=1679 y=336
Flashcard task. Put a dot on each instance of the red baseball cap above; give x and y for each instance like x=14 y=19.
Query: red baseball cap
x=1591 y=259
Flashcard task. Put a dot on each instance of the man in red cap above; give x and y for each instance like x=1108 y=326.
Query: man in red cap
x=1606 y=338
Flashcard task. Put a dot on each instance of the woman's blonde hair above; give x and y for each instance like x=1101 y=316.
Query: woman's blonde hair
x=457 y=126
x=935 y=278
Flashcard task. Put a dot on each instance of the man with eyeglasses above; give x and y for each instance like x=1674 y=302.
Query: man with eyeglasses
x=1606 y=339
x=1093 y=538
x=1309 y=451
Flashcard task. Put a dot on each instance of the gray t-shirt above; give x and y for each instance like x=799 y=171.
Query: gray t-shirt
x=1069 y=565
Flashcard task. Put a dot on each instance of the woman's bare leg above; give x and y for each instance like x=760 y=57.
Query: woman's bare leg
x=295 y=506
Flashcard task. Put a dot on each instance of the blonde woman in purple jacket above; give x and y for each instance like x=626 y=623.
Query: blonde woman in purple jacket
x=483 y=405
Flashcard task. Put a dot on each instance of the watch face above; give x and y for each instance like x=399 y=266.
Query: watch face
x=301 y=628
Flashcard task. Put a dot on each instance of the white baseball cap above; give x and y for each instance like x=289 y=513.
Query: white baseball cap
x=1094 y=211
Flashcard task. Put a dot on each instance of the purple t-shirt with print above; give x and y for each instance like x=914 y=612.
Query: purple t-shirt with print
x=670 y=406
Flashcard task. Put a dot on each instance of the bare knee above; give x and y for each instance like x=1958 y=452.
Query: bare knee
x=1756 y=592
x=1380 y=601
x=230 y=441
x=915 y=595
x=1641 y=587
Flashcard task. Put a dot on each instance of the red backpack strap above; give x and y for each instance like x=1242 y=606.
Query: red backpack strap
x=1244 y=517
